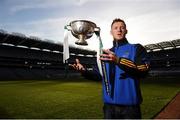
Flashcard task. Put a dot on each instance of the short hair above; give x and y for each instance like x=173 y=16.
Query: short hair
x=117 y=20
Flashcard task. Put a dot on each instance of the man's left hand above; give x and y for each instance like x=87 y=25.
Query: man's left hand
x=108 y=56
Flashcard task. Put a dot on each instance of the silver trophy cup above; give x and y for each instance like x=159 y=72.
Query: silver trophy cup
x=83 y=30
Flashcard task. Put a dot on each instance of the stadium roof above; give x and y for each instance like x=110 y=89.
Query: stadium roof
x=19 y=39
x=163 y=45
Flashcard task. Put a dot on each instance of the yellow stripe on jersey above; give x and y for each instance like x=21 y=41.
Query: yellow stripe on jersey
x=143 y=67
x=131 y=64
x=128 y=62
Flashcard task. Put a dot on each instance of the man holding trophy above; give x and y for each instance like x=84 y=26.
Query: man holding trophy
x=121 y=69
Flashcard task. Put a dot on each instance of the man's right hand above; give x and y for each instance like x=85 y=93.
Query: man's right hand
x=77 y=66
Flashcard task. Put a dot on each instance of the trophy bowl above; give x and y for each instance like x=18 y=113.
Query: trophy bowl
x=82 y=30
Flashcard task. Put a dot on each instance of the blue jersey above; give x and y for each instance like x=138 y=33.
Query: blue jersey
x=123 y=78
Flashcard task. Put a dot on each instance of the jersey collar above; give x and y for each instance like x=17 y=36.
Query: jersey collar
x=120 y=43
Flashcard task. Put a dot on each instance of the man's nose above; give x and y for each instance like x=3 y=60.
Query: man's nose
x=119 y=30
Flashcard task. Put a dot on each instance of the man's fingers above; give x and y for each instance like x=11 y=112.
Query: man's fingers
x=77 y=66
x=73 y=66
x=105 y=51
x=105 y=59
x=81 y=68
x=104 y=55
x=77 y=61
x=108 y=51
x=69 y=64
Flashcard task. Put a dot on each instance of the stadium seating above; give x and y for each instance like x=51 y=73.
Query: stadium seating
x=23 y=57
x=165 y=60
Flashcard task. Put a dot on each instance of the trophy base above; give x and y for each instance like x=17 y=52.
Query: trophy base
x=84 y=43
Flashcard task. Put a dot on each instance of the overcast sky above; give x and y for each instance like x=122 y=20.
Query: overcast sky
x=148 y=21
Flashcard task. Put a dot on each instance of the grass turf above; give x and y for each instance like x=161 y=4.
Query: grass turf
x=74 y=98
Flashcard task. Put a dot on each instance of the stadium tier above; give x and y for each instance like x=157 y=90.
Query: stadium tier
x=31 y=57
x=164 y=58
x=35 y=48
x=34 y=55
x=163 y=45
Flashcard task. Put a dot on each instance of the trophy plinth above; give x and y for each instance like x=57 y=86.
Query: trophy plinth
x=82 y=30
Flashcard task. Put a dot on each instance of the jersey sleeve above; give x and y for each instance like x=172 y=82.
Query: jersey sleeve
x=138 y=67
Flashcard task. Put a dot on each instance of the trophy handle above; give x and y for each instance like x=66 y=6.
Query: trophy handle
x=97 y=29
x=68 y=27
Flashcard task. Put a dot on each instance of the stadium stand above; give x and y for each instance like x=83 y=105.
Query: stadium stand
x=164 y=58
x=23 y=57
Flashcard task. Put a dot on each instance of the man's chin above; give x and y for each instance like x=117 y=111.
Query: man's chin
x=118 y=39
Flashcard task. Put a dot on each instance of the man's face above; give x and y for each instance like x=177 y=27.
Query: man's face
x=118 y=30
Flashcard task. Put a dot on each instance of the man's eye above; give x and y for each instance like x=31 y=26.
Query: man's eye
x=117 y=28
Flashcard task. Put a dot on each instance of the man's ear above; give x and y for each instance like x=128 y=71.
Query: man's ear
x=126 y=31
x=111 y=32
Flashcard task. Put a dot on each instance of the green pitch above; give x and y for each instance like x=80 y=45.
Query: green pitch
x=74 y=98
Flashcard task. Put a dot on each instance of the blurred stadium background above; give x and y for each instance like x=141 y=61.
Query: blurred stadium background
x=33 y=86
x=30 y=57
x=23 y=57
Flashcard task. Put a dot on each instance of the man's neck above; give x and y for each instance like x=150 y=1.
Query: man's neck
x=120 y=42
